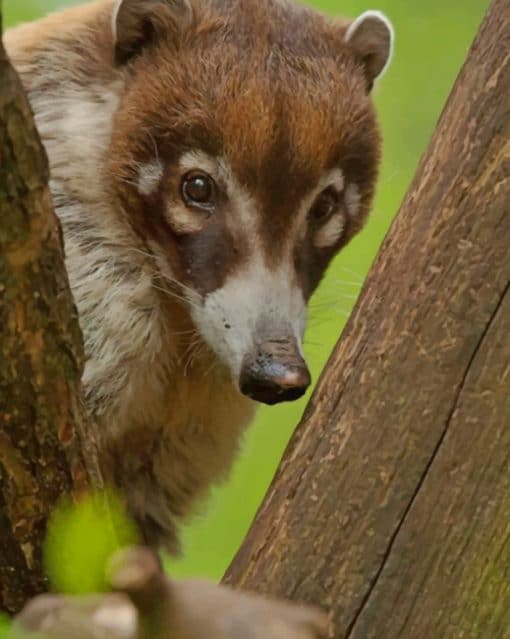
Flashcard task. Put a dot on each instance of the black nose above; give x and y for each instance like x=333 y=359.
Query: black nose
x=275 y=373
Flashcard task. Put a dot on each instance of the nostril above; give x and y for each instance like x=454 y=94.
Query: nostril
x=271 y=394
x=291 y=394
x=287 y=386
x=275 y=372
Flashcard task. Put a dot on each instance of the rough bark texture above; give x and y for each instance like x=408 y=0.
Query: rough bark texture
x=392 y=504
x=40 y=355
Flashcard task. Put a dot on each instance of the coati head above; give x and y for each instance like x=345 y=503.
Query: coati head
x=246 y=152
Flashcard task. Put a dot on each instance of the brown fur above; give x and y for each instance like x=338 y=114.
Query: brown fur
x=269 y=85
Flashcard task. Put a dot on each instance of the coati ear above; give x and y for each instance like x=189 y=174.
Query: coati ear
x=371 y=38
x=138 y=23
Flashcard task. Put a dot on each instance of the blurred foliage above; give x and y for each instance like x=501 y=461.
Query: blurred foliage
x=432 y=41
x=81 y=539
x=11 y=631
x=5 y=624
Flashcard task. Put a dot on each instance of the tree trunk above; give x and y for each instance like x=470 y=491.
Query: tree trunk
x=392 y=504
x=42 y=425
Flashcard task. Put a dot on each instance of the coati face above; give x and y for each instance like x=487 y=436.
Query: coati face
x=245 y=155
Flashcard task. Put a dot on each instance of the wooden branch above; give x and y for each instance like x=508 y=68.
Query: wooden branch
x=42 y=425
x=392 y=504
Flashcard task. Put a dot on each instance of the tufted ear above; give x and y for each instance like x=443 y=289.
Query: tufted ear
x=138 y=23
x=371 y=38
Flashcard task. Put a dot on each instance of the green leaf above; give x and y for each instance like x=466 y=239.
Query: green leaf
x=81 y=539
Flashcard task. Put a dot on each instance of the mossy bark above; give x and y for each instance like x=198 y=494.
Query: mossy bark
x=42 y=424
x=391 y=506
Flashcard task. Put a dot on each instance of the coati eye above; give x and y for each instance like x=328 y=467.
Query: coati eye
x=198 y=189
x=325 y=204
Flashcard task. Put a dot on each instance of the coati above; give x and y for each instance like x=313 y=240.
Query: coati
x=208 y=159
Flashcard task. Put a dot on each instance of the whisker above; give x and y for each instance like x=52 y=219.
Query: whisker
x=127 y=181
x=144 y=253
x=348 y=283
x=337 y=299
x=164 y=276
x=308 y=342
x=352 y=272
x=189 y=331
x=197 y=348
x=174 y=295
x=214 y=365
x=197 y=353
x=153 y=140
x=174 y=281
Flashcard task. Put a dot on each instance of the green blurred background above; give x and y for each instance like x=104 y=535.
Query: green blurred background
x=433 y=37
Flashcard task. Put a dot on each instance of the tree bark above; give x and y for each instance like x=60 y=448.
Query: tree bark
x=42 y=424
x=392 y=504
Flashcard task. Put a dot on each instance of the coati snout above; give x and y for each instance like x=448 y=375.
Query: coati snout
x=275 y=372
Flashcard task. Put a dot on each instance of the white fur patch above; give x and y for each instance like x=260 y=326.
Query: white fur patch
x=381 y=17
x=353 y=199
x=330 y=233
x=182 y=220
x=76 y=129
x=193 y=160
x=112 y=282
x=246 y=214
x=255 y=302
x=334 y=178
x=149 y=177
